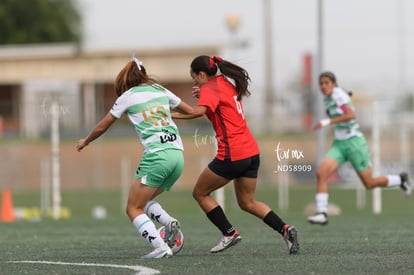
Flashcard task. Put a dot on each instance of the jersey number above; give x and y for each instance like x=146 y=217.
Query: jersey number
x=239 y=107
x=156 y=114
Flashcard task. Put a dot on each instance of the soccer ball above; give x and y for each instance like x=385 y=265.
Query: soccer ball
x=179 y=242
x=99 y=212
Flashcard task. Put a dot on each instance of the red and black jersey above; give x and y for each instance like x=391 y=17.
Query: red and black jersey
x=234 y=139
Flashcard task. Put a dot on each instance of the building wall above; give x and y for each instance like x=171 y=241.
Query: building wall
x=31 y=77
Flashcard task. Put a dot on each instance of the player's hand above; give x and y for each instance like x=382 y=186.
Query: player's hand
x=317 y=126
x=322 y=123
x=196 y=91
x=81 y=144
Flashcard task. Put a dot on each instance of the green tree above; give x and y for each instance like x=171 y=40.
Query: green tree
x=39 y=21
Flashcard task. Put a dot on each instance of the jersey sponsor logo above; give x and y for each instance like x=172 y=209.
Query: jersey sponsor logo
x=168 y=137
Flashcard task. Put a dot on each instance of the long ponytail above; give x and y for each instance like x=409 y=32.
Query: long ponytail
x=211 y=65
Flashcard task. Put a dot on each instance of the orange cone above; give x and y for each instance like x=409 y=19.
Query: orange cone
x=7 y=210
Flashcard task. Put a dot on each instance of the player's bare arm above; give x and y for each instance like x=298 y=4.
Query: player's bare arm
x=184 y=108
x=99 y=129
x=198 y=111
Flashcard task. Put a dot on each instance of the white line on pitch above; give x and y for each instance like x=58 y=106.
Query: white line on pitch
x=141 y=270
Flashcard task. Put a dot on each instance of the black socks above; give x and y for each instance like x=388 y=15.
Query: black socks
x=273 y=220
x=218 y=218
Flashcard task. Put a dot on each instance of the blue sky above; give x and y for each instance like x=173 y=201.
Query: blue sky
x=368 y=43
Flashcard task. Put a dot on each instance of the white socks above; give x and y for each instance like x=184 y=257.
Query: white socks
x=147 y=229
x=155 y=211
x=322 y=198
x=321 y=202
x=394 y=180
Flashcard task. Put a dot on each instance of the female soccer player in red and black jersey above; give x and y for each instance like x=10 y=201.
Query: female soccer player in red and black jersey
x=220 y=86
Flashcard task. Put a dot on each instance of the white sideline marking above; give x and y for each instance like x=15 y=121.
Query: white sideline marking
x=142 y=270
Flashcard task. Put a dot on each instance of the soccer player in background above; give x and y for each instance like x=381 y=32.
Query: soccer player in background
x=349 y=144
x=220 y=87
x=147 y=105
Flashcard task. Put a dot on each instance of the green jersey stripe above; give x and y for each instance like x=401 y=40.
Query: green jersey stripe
x=333 y=105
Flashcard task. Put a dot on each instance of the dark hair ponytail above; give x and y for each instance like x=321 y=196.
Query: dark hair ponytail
x=210 y=66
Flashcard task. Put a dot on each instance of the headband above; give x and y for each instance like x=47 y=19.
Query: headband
x=217 y=59
x=213 y=61
x=137 y=61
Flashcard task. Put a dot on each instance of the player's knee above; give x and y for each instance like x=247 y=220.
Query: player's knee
x=369 y=187
x=246 y=205
x=369 y=184
x=196 y=195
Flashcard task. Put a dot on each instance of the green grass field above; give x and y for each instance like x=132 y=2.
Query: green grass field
x=355 y=242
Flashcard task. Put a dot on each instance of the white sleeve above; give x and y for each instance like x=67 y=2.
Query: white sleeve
x=173 y=99
x=120 y=106
x=341 y=97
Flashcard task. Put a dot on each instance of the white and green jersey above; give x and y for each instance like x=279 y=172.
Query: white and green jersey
x=333 y=104
x=148 y=108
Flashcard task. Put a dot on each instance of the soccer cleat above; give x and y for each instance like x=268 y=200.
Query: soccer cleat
x=171 y=232
x=226 y=242
x=405 y=184
x=319 y=218
x=160 y=252
x=290 y=235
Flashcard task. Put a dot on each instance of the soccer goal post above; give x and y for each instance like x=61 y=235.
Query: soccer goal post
x=55 y=160
x=376 y=161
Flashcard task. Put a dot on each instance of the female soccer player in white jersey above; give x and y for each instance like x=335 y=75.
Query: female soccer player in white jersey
x=349 y=145
x=147 y=105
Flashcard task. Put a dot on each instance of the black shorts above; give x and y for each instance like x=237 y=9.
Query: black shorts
x=228 y=169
